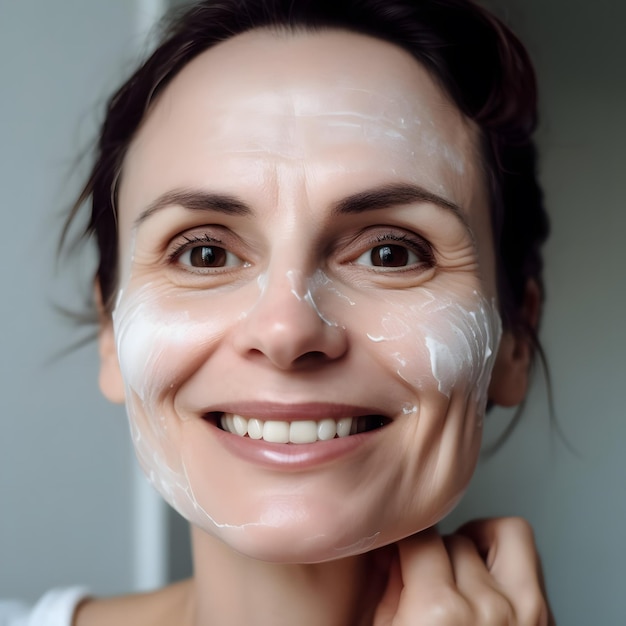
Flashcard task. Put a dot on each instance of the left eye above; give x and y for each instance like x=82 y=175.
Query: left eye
x=206 y=256
x=388 y=255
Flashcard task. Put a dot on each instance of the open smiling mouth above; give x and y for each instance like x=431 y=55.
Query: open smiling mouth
x=299 y=431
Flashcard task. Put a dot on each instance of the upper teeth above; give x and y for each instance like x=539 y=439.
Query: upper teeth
x=307 y=431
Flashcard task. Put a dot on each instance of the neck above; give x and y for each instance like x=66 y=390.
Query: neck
x=229 y=588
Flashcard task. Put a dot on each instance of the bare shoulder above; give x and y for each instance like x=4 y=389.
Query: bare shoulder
x=160 y=608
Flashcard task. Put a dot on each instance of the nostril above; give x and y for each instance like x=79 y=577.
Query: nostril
x=309 y=359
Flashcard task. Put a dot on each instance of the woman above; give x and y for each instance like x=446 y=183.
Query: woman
x=319 y=231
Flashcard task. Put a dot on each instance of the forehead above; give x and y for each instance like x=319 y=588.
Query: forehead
x=332 y=103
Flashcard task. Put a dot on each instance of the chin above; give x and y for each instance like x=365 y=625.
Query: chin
x=297 y=534
x=307 y=530
x=301 y=544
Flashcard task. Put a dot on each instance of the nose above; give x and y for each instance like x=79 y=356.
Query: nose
x=286 y=327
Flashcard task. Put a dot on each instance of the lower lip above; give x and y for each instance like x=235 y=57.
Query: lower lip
x=293 y=456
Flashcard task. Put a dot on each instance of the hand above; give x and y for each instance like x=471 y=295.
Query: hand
x=486 y=574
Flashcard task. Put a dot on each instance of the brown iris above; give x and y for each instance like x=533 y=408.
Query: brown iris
x=390 y=256
x=207 y=256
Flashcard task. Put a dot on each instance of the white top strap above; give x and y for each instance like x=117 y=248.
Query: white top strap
x=55 y=608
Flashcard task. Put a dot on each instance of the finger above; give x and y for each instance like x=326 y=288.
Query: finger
x=490 y=604
x=424 y=560
x=430 y=595
x=508 y=547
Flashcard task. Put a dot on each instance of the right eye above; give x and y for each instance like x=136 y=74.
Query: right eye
x=205 y=253
x=388 y=255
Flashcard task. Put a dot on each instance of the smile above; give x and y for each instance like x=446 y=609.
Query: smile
x=299 y=431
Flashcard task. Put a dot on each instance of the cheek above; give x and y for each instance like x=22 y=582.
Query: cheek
x=164 y=334
x=435 y=349
x=160 y=340
x=462 y=341
x=442 y=347
x=438 y=343
x=444 y=339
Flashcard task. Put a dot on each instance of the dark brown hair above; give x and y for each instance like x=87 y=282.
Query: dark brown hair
x=477 y=60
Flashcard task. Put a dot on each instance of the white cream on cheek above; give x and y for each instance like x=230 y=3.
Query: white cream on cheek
x=471 y=353
x=461 y=338
x=157 y=343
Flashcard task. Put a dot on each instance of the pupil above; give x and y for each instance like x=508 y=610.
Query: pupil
x=208 y=256
x=390 y=256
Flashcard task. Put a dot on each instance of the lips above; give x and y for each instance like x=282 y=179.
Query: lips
x=298 y=431
x=300 y=436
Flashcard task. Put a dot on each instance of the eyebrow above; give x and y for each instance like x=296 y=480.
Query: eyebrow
x=195 y=200
x=396 y=195
x=387 y=196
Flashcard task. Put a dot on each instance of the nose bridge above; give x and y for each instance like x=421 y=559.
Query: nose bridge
x=285 y=298
x=304 y=289
x=286 y=324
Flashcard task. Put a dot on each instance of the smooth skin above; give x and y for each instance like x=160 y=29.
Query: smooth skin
x=486 y=574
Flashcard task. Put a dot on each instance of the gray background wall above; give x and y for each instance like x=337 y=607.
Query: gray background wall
x=71 y=508
x=68 y=493
x=577 y=503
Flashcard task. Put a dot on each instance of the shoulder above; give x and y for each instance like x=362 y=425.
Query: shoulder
x=159 y=608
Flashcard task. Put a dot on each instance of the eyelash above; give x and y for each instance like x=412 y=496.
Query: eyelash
x=190 y=242
x=415 y=244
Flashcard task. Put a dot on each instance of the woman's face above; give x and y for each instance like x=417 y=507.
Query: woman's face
x=307 y=320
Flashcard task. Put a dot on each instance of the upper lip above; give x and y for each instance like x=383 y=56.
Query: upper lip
x=279 y=411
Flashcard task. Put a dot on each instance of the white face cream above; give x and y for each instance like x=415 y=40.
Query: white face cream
x=306 y=326
x=460 y=341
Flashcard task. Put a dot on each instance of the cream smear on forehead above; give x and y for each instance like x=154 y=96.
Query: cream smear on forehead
x=266 y=124
x=291 y=138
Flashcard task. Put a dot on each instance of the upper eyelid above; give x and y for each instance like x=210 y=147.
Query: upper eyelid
x=213 y=234
x=403 y=238
x=177 y=248
x=393 y=234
